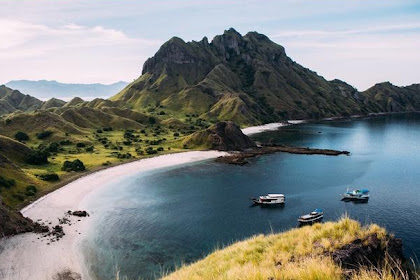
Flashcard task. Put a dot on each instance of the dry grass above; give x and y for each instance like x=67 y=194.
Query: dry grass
x=295 y=254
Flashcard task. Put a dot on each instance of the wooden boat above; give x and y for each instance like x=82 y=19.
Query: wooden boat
x=315 y=216
x=270 y=199
x=356 y=195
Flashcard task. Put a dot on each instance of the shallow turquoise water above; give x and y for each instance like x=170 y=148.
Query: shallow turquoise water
x=146 y=224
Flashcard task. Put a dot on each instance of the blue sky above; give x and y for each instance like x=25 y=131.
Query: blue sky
x=361 y=42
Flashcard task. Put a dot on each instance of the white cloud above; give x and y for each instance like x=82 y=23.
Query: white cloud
x=360 y=56
x=26 y=45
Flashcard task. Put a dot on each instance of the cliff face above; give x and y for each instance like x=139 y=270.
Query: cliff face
x=223 y=136
x=250 y=80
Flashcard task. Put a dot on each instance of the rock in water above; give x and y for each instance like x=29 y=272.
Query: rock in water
x=223 y=136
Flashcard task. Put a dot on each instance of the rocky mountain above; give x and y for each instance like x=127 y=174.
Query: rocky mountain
x=13 y=100
x=222 y=136
x=250 y=80
x=46 y=89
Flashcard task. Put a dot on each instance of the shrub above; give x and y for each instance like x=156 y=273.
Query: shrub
x=80 y=145
x=152 y=120
x=127 y=143
x=44 y=134
x=160 y=149
x=75 y=165
x=176 y=134
x=99 y=131
x=89 y=149
x=107 y=129
x=31 y=190
x=150 y=151
x=6 y=183
x=49 y=177
x=185 y=146
x=53 y=147
x=21 y=136
x=65 y=142
x=162 y=113
x=37 y=157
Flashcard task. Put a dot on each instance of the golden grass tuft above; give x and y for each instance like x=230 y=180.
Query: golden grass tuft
x=295 y=254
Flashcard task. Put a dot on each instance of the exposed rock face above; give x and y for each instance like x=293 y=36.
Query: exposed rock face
x=368 y=252
x=223 y=136
x=13 y=222
x=250 y=80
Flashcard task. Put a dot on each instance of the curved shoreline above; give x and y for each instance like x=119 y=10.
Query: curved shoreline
x=20 y=255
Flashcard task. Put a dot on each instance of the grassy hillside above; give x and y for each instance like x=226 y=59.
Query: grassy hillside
x=249 y=80
x=302 y=254
x=96 y=137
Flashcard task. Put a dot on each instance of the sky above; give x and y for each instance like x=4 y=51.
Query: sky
x=362 y=42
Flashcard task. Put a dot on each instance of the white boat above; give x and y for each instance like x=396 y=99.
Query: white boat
x=356 y=195
x=315 y=216
x=270 y=199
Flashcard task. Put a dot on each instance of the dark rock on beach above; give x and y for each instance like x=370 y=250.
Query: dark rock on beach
x=80 y=213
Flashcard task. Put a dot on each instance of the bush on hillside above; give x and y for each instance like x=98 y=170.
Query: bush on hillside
x=53 y=147
x=50 y=177
x=80 y=145
x=75 y=165
x=65 y=142
x=21 y=136
x=37 y=157
x=44 y=134
x=31 y=190
x=6 y=183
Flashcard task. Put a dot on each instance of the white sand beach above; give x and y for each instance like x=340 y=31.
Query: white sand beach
x=269 y=127
x=28 y=256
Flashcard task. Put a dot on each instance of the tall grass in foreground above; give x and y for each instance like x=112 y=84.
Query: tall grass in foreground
x=300 y=253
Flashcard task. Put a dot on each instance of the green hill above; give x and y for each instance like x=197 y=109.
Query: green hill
x=328 y=251
x=250 y=80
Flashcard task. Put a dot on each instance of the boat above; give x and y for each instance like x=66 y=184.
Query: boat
x=356 y=195
x=270 y=199
x=313 y=217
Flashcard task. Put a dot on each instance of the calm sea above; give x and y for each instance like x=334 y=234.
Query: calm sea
x=149 y=223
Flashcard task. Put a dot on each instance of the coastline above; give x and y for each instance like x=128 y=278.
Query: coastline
x=20 y=254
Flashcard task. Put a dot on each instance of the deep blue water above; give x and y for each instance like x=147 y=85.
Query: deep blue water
x=147 y=224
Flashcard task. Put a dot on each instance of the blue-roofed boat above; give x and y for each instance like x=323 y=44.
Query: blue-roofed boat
x=315 y=216
x=356 y=195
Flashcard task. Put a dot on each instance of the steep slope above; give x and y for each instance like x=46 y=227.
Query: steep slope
x=223 y=136
x=250 y=80
x=13 y=100
x=36 y=122
x=330 y=251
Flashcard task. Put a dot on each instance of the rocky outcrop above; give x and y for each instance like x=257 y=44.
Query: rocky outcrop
x=370 y=251
x=223 y=136
x=80 y=213
x=242 y=157
x=12 y=222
